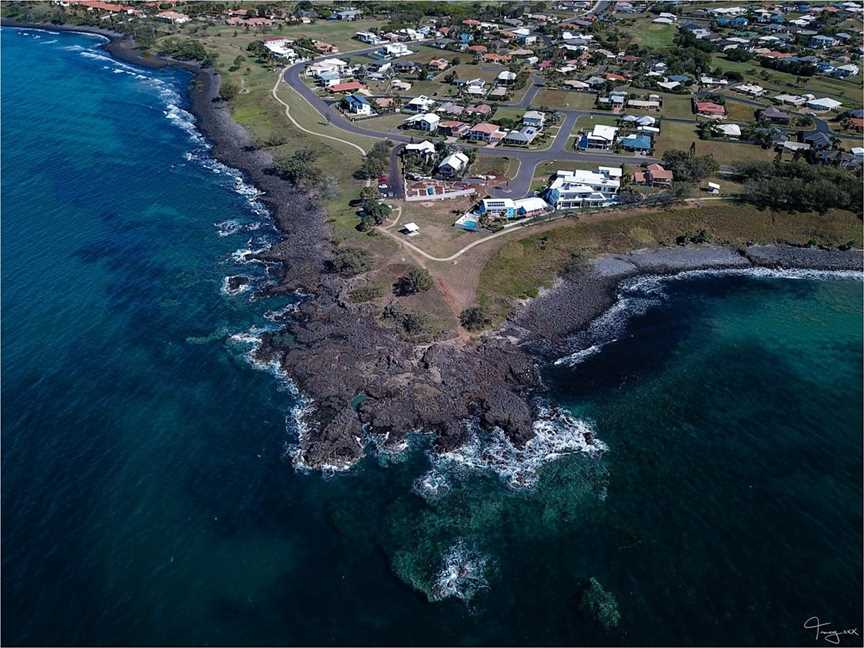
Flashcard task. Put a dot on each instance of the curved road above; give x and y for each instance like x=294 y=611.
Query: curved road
x=520 y=185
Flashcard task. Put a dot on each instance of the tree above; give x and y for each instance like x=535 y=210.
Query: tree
x=689 y=168
x=299 y=168
x=474 y=318
x=349 y=261
x=416 y=281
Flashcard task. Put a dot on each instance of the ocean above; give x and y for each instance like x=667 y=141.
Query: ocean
x=148 y=492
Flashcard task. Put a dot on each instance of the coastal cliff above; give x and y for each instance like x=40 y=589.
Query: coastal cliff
x=363 y=379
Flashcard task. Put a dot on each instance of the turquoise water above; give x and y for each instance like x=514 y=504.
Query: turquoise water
x=147 y=496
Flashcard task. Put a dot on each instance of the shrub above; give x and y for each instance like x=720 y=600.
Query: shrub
x=474 y=318
x=417 y=280
x=349 y=261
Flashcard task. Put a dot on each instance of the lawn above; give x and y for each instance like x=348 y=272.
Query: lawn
x=565 y=99
x=502 y=167
x=654 y=36
x=521 y=267
x=675 y=135
x=508 y=112
x=845 y=90
x=255 y=109
x=467 y=71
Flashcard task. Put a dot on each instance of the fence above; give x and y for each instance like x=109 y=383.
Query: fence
x=447 y=195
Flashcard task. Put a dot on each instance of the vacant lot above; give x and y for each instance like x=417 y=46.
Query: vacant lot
x=521 y=267
x=564 y=99
x=676 y=135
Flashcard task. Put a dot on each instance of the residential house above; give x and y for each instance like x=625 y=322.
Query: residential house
x=774 y=115
x=348 y=86
x=530 y=207
x=602 y=138
x=453 y=128
x=579 y=188
x=750 y=89
x=426 y=122
x=522 y=137
x=278 y=45
x=485 y=132
x=368 y=37
x=534 y=118
x=424 y=149
x=453 y=165
x=450 y=108
x=439 y=64
x=392 y=50
x=824 y=104
x=729 y=131
x=497 y=207
x=818 y=140
x=357 y=105
x=506 y=77
x=348 y=14
x=654 y=175
x=174 y=17
x=822 y=42
x=709 y=109
x=637 y=143
x=418 y=104
x=481 y=110
x=651 y=104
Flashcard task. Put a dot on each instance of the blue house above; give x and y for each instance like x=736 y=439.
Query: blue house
x=466 y=37
x=822 y=42
x=357 y=105
x=640 y=143
x=737 y=21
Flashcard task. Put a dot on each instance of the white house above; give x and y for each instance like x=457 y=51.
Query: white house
x=424 y=148
x=279 y=47
x=824 y=104
x=534 y=118
x=506 y=76
x=573 y=189
x=453 y=165
x=420 y=104
x=393 y=50
x=730 y=131
x=602 y=137
x=750 y=89
x=426 y=122
x=368 y=37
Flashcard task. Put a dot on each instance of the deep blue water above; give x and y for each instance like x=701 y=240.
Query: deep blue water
x=147 y=497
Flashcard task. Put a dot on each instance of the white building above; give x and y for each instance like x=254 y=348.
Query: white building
x=824 y=104
x=424 y=148
x=453 y=164
x=279 y=47
x=426 y=122
x=602 y=137
x=420 y=104
x=574 y=189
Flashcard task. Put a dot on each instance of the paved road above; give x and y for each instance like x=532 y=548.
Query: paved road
x=560 y=149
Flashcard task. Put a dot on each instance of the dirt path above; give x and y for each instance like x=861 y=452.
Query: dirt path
x=296 y=124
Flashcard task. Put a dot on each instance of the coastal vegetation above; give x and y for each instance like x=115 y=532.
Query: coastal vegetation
x=521 y=267
x=798 y=186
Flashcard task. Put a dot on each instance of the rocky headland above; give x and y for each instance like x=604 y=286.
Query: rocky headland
x=360 y=376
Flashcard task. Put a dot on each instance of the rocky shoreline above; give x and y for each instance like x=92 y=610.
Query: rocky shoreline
x=360 y=376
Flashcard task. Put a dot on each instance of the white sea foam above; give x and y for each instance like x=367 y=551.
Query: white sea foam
x=462 y=574
x=580 y=356
x=227 y=290
x=556 y=434
x=432 y=485
x=277 y=314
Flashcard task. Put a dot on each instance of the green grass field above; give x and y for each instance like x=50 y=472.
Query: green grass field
x=675 y=135
x=520 y=268
x=846 y=90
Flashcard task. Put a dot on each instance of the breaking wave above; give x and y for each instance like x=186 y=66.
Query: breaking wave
x=639 y=294
x=462 y=574
x=557 y=434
